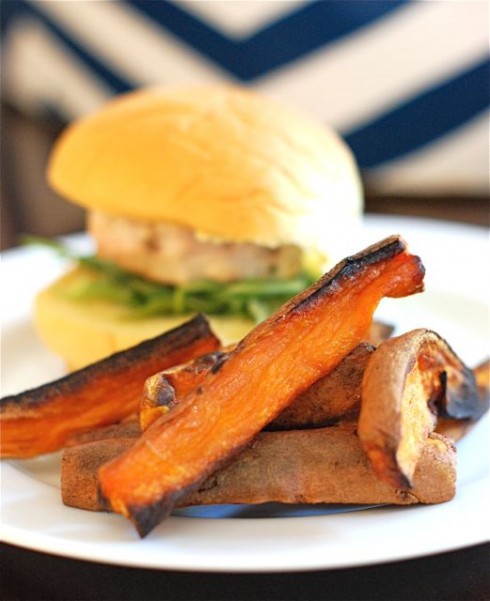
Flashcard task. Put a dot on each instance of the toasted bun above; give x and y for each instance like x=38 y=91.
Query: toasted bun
x=228 y=163
x=84 y=332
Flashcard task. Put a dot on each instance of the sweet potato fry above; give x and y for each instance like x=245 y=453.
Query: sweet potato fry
x=333 y=398
x=127 y=428
x=278 y=360
x=456 y=429
x=337 y=396
x=410 y=380
x=326 y=465
x=43 y=419
x=166 y=389
x=330 y=399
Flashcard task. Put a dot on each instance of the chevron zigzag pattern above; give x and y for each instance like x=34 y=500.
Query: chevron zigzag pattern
x=112 y=47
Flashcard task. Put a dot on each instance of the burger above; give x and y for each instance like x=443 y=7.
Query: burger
x=210 y=200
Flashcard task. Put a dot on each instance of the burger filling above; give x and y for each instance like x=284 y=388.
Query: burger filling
x=173 y=254
x=165 y=269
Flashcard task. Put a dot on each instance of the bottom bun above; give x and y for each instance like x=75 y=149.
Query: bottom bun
x=82 y=332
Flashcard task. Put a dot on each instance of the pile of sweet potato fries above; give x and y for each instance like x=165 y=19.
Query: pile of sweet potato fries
x=317 y=404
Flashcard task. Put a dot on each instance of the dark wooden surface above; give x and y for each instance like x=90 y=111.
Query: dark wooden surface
x=461 y=575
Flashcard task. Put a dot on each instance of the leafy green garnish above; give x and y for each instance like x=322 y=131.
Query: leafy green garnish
x=251 y=298
x=56 y=245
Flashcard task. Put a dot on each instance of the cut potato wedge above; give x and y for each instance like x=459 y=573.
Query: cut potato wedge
x=410 y=380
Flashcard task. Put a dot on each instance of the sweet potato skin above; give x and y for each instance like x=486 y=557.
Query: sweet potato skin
x=257 y=381
x=42 y=420
x=79 y=467
x=404 y=389
x=330 y=399
x=325 y=465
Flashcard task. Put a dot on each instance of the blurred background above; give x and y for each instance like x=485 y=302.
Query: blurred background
x=406 y=83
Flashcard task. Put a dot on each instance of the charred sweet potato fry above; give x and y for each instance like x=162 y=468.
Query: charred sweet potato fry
x=457 y=428
x=43 y=419
x=274 y=363
x=325 y=465
x=410 y=380
x=330 y=399
x=166 y=389
x=334 y=397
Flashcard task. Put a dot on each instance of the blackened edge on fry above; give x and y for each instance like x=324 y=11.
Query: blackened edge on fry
x=349 y=267
x=181 y=336
x=461 y=399
x=145 y=517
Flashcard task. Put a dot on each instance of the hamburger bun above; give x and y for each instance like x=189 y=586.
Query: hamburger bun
x=243 y=186
x=82 y=332
x=227 y=163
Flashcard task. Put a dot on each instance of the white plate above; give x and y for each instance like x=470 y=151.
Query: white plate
x=455 y=304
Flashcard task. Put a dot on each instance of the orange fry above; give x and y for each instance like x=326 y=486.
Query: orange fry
x=278 y=360
x=42 y=420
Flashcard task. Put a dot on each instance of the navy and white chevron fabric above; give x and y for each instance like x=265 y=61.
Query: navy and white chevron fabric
x=407 y=83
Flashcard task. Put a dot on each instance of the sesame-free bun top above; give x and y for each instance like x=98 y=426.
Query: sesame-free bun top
x=224 y=161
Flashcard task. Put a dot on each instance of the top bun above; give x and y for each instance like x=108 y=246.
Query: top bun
x=224 y=161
